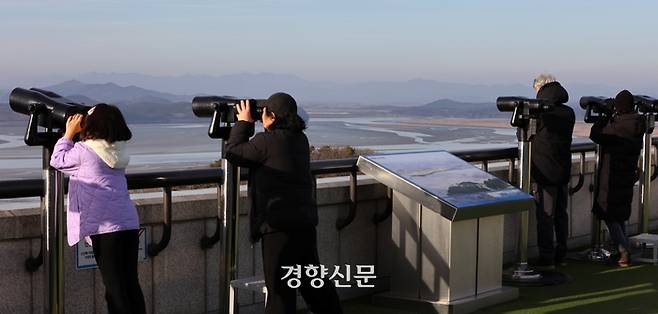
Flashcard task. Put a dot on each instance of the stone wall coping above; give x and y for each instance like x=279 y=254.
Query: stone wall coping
x=25 y=223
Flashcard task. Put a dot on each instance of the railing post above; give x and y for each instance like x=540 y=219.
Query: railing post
x=379 y=217
x=53 y=234
x=344 y=222
x=510 y=171
x=155 y=248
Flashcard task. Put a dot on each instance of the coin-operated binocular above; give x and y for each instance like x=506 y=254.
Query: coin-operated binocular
x=223 y=112
x=525 y=112
x=46 y=109
x=646 y=104
x=523 y=109
x=50 y=112
x=597 y=108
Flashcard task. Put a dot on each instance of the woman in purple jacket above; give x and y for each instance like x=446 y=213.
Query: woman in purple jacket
x=99 y=207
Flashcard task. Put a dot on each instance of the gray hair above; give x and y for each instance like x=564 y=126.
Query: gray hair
x=543 y=79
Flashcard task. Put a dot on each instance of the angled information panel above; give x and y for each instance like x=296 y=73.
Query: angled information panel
x=446 y=184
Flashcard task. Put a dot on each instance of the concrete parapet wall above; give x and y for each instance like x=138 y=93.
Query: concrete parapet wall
x=184 y=278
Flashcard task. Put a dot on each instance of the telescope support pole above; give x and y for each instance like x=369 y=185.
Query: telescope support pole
x=522 y=273
x=53 y=225
x=645 y=179
x=597 y=253
x=229 y=235
x=525 y=149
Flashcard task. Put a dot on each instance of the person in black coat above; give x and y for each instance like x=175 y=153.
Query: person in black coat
x=551 y=170
x=283 y=211
x=620 y=137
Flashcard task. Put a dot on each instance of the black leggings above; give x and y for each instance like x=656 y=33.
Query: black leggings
x=552 y=218
x=618 y=234
x=288 y=249
x=116 y=256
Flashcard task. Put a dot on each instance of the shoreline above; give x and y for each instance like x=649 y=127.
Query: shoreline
x=581 y=129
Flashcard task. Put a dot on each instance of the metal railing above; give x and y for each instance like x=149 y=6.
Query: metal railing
x=167 y=179
x=163 y=179
x=10 y=189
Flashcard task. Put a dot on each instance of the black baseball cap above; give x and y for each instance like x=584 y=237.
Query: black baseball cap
x=281 y=104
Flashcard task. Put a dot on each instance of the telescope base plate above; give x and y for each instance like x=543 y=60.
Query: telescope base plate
x=595 y=254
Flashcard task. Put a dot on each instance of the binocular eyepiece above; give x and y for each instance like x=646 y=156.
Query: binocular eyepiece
x=510 y=103
x=206 y=106
x=53 y=110
x=646 y=104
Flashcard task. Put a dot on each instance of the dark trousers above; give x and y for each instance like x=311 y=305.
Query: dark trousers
x=116 y=256
x=552 y=217
x=618 y=234
x=292 y=248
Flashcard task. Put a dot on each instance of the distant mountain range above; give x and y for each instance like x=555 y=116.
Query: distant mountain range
x=400 y=93
x=113 y=93
x=141 y=104
x=449 y=108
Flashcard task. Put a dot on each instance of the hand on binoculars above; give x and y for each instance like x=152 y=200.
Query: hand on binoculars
x=244 y=111
x=73 y=126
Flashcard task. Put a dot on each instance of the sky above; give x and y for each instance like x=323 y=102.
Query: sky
x=490 y=42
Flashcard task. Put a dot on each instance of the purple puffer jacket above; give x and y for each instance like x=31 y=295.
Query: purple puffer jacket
x=98 y=199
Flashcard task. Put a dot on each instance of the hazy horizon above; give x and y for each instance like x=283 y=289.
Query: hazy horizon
x=475 y=42
x=140 y=88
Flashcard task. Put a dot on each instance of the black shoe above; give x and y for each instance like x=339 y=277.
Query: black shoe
x=544 y=264
x=560 y=261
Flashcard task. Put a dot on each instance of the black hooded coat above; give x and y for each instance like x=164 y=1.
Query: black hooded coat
x=620 y=138
x=551 y=147
x=280 y=189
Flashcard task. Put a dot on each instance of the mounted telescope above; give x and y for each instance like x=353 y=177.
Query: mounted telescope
x=524 y=109
x=646 y=104
x=46 y=109
x=223 y=111
x=597 y=107
x=49 y=111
